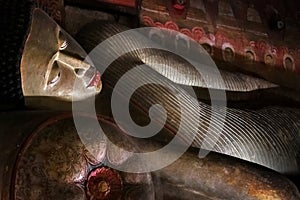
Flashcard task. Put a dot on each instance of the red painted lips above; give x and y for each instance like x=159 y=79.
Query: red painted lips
x=96 y=80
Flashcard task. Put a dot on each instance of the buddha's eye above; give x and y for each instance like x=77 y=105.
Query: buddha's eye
x=55 y=79
x=62 y=41
x=54 y=76
x=63 y=45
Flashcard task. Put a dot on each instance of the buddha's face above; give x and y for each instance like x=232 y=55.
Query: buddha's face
x=52 y=61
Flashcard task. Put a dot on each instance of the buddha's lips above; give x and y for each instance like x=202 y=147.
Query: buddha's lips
x=178 y=7
x=96 y=80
